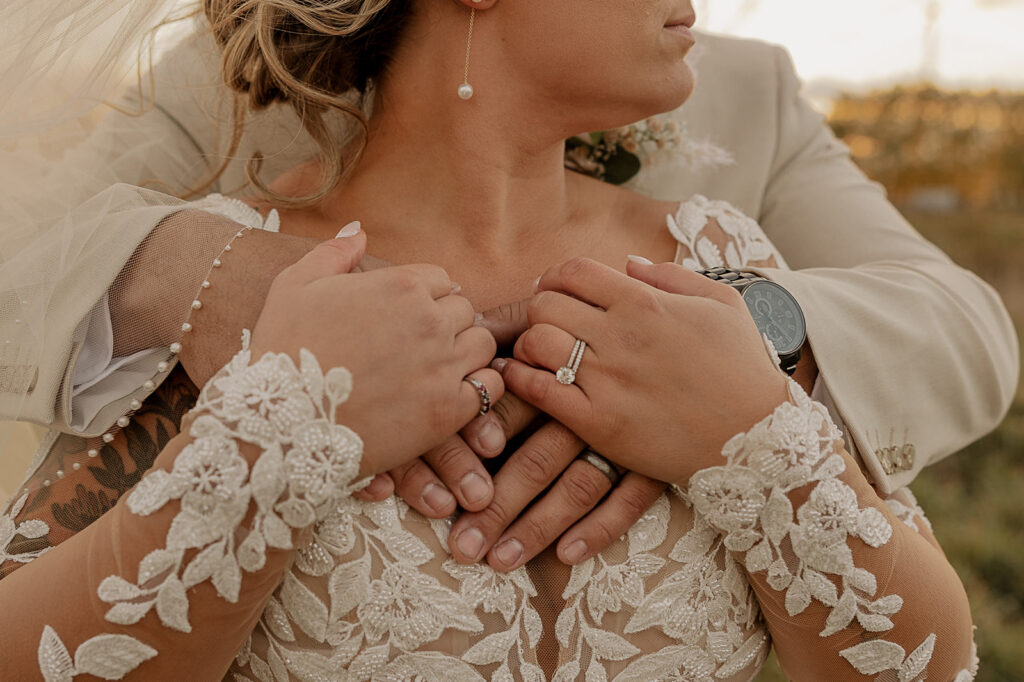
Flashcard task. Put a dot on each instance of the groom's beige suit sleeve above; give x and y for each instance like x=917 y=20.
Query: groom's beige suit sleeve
x=919 y=355
x=907 y=342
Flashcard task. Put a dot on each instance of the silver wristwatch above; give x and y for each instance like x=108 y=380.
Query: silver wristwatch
x=775 y=311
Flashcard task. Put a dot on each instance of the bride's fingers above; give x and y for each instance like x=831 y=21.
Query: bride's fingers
x=433 y=277
x=459 y=310
x=547 y=347
x=589 y=281
x=474 y=349
x=506 y=322
x=675 y=279
x=473 y=397
x=567 y=404
x=329 y=258
x=559 y=309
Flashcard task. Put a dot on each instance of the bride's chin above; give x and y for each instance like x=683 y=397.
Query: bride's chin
x=629 y=115
x=667 y=95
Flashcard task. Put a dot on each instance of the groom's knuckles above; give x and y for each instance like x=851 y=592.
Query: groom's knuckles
x=626 y=504
x=575 y=493
x=583 y=487
x=453 y=461
x=635 y=496
x=536 y=465
x=514 y=414
x=411 y=484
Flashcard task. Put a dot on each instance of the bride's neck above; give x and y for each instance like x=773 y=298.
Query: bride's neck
x=458 y=171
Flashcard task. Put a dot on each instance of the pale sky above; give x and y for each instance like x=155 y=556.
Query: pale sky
x=980 y=43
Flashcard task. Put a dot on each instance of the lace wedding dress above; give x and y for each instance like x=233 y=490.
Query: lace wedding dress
x=249 y=534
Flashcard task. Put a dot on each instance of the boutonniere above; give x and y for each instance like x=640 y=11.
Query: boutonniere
x=616 y=156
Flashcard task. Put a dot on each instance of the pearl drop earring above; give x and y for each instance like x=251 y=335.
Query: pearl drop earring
x=466 y=90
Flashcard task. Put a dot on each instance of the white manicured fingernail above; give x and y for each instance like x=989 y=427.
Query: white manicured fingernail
x=499 y=364
x=456 y=288
x=536 y=285
x=478 y=318
x=350 y=230
x=640 y=260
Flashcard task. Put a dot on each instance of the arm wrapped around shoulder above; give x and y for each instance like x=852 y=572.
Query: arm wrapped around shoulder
x=829 y=560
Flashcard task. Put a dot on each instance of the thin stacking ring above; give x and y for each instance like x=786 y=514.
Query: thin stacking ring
x=567 y=375
x=485 y=395
x=601 y=463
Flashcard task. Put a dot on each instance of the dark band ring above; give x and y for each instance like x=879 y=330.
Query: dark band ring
x=485 y=395
x=601 y=463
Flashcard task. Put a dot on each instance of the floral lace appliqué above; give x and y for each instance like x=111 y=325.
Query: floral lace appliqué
x=747 y=242
x=805 y=551
x=30 y=529
x=307 y=465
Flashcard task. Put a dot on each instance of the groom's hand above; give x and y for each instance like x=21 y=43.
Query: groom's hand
x=498 y=524
x=544 y=494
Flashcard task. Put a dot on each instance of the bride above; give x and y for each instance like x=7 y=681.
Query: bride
x=243 y=550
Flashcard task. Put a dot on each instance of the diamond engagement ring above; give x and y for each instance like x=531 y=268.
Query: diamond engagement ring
x=602 y=464
x=567 y=375
x=485 y=395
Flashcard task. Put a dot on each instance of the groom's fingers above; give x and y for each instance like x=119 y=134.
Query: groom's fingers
x=624 y=506
x=488 y=434
x=526 y=474
x=506 y=322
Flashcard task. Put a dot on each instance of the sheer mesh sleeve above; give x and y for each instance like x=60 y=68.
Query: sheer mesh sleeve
x=185 y=564
x=831 y=561
x=74 y=480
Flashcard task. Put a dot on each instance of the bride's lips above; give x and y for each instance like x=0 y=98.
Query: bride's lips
x=682 y=26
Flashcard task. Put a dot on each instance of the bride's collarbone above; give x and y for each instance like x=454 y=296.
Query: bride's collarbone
x=492 y=275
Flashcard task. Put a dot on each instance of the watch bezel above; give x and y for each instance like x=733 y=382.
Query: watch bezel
x=792 y=299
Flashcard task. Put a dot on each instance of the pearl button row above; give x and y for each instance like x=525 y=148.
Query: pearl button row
x=175 y=348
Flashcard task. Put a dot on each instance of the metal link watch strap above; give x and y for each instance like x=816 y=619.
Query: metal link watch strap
x=734 y=278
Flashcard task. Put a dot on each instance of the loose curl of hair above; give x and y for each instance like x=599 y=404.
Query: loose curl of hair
x=310 y=54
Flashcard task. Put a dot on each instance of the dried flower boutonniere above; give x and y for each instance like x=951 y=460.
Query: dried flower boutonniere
x=616 y=156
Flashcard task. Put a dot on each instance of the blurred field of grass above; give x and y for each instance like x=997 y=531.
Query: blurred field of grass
x=975 y=499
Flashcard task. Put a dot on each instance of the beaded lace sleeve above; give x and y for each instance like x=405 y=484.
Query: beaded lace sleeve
x=187 y=561
x=830 y=560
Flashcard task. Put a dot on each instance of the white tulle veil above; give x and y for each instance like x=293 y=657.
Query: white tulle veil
x=64 y=66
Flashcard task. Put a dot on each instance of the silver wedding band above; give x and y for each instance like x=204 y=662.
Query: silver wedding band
x=602 y=464
x=485 y=395
x=566 y=375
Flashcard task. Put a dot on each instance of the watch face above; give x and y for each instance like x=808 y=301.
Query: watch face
x=777 y=315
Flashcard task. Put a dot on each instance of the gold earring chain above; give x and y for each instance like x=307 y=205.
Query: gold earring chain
x=469 y=44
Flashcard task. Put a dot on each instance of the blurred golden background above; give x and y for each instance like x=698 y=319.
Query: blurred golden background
x=954 y=164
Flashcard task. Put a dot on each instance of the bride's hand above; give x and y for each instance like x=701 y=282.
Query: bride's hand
x=403 y=332
x=674 y=365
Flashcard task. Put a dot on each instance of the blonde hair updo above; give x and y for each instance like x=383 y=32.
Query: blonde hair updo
x=312 y=55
